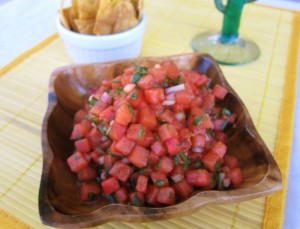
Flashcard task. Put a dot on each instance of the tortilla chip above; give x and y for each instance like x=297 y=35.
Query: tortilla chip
x=140 y=9
x=87 y=9
x=126 y=16
x=138 y=6
x=85 y=26
x=74 y=9
x=106 y=17
x=64 y=17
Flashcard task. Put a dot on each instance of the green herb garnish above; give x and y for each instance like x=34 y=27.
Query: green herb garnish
x=136 y=201
x=198 y=165
x=133 y=95
x=224 y=125
x=185 y=160
x=156 y=136
x=226 y=112
x=108 y=130
x=209 y=132
x=176 y=160
x=175 y=81
x=119 y=90
x=143 y=169
x=92 y=196
x=218 y=165
x=159 y=183
x=93 y=101
x=158 y=164
x=140 y=131
x=130 y=108
x=109 y=198
x=197 y=121
x=139 y=72
x=102 y=130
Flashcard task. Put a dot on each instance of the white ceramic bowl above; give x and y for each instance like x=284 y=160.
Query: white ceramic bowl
x=84 y=48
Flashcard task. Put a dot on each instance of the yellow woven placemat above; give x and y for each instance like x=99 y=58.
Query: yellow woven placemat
x=267 y=86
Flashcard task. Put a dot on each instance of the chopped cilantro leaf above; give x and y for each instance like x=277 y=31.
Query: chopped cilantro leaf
x=133 y=95
x=119 y=90
x=224 y=125
x=156 y=136
x=92 y=196
x=226 y=111
x=136 y=201
x=159 y=183
x=130 y=108
x=92 y=101
x=140 y=131
x=197 y=121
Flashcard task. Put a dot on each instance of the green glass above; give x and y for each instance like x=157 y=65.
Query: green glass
x=228 y=47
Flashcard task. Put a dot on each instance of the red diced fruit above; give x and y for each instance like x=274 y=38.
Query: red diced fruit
x=136 y=98
x=79 y=131
x=79 y=116
x=166 y=116
x=94 y=138
x=110 y=185
x=149 y=139
x=231 y=161
x=171 y=69
x=183 y=97
x=154 y=95
x=159 y=74
x=147 y=118
x=108 y=114
x=198 y=141
x=219 y=149
x=86 y=174
x=136 y=132
x=124 y=145
x=77 y=162
x=89 y=191
x=146 y=82
x=212 y=161
x=235 y=175
x=151 y=195
x=139 y=156
x=121 y=195
x=137 y=199
x=124 y=114
x=121 y=171
x=158 y=148
x=173 y=146
x=167 y=131
x=98 y=107
x=159 y=179
x=183 y=189
x=117 y=131
x=152 y=135
x=219 y=92
x=141 y=184
x=198 y=177
x=165 y=165
x=166 y=195
x=83 y=145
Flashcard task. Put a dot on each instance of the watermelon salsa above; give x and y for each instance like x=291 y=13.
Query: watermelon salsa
x=152 y=136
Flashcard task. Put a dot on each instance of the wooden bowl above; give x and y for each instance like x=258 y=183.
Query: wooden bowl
x=59 y=204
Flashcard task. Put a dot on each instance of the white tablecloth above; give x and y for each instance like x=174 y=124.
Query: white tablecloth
x=24 y=24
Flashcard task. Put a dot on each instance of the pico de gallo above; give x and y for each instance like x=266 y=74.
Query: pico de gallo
x=152 y=136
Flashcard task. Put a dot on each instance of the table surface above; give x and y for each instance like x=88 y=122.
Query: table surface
x=23 y=26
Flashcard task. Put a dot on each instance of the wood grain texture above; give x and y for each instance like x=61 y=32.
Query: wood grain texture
x=59 y=204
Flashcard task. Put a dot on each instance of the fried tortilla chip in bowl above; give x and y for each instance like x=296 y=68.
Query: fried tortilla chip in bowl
x=101 y=31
